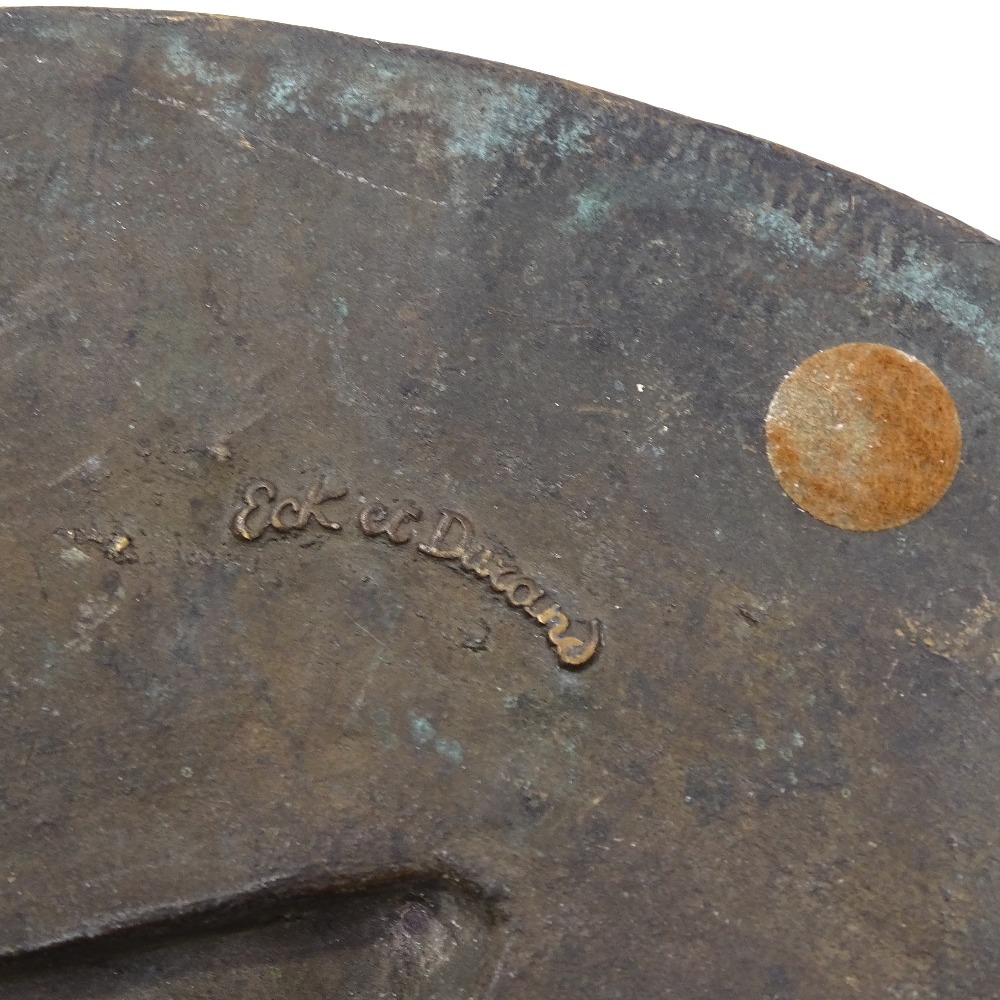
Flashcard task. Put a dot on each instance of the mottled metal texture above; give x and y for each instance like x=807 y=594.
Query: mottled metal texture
x=237 y=254
x=863 y=436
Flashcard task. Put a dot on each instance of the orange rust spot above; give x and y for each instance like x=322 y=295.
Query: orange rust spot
x=863 y=437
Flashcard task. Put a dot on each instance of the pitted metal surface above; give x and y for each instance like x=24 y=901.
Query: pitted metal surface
x=397 y=598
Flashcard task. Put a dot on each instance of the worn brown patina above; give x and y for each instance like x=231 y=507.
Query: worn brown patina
x=361 y=760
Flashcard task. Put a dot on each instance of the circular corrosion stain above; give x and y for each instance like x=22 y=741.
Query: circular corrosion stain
x=863 y=437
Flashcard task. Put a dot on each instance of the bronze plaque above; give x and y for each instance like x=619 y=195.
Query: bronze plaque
x=397 y=597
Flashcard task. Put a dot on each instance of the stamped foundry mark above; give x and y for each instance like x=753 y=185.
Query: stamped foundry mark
x=248 y=527
x=453 y=538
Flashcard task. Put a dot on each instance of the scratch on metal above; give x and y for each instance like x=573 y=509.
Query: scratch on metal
x=173 y=102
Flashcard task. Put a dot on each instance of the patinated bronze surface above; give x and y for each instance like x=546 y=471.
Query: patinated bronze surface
x=397 y=598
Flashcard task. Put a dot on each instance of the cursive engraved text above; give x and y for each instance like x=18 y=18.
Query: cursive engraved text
x=452 y=538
